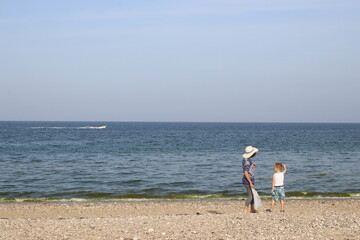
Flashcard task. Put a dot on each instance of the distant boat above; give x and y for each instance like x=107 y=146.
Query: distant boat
x=102 y=127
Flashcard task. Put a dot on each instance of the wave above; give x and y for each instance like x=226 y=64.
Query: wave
x=110 y=197
x=87 y=127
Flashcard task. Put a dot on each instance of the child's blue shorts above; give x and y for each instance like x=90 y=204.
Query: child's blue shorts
x=279 y=193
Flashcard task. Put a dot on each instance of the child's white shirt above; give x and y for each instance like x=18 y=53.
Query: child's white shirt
x=279 y=179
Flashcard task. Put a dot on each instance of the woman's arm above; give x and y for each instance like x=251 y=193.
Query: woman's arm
x=247 y=176
x=284 y=168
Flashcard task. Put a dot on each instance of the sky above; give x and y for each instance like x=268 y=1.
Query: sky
x=192 y=61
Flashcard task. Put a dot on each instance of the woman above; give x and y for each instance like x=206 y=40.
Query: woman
x=248 y=178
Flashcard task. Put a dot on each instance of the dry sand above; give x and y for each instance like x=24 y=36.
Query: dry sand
x=303 y=219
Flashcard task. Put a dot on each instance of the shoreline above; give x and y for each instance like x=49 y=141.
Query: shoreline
x=163 y=200
x=204 y=219
x=98 y=197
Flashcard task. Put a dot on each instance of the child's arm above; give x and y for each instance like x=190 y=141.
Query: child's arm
x=273 y=184
x=284 y=168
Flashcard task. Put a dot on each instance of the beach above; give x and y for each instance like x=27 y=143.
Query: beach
x=217 y=219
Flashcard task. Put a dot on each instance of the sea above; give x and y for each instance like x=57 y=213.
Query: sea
x=111 y=161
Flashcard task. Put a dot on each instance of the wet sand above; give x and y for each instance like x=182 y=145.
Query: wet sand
x=303 y=219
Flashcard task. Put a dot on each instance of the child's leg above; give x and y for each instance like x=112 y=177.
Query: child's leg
x=282 y=198
x=272 y=204
x=275 y=198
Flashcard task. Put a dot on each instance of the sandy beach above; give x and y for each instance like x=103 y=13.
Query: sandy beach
x=303 y=219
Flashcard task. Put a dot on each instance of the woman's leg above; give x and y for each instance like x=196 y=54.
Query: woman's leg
x=252 y=209
x=249 y=199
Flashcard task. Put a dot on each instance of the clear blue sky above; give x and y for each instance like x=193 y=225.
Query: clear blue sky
x=213 y=60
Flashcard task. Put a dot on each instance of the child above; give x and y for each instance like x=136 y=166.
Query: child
x=277 y=189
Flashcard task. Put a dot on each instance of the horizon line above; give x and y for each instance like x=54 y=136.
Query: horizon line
x=132 y=121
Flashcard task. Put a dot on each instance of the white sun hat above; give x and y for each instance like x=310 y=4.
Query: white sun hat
x=249 y=151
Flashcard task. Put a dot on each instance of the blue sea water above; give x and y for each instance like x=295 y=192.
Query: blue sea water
x=78 y=160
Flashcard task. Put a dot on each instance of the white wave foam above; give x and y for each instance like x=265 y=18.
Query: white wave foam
x=87 y=127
